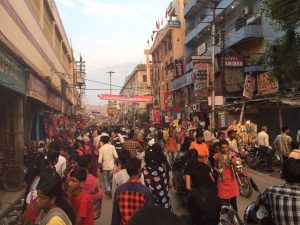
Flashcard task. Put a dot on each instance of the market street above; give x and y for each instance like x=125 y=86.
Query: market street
x=179 y=207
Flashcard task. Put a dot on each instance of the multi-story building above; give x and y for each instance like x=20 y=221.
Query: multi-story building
x=36 y=70
x=136 y=84
x=241 y=38
x=167 y=59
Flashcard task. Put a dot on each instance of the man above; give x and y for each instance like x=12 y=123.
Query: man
x=201 y=147
x=233 y=145
x=131 y=145
x=107 y=155
x=97 y=139
x=220 y=137
x=283 y=142
x=284 y=201
x=131 y=196
x=208 y=136
x=264 y=151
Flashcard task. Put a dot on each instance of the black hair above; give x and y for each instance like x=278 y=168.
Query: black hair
x=132 y=166
x=157 y=149
x=123 y=156
x=223 y=142
x=131 y=134
x=204 y=207
x=79 y=173
x=291 y=170
x=162 y=217
x=51 y=186
x=294 y=145
x=199 y=133
x=220 y=133
x=151 y=159
x=99 y=132
x=104 y=139
x=52 y=156
x=76 y=145
x=231 y=132
x=84 y=161
x=74 y=156
x=284 y=128
x=82 y=142
x=186 y=144
x=216 y=144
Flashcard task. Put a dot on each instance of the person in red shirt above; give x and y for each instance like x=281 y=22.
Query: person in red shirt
x=81 y=201
x=201 y=147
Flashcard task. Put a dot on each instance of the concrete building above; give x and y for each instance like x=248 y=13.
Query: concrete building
x=136 y=84
x=37 y=75
x=167 y=59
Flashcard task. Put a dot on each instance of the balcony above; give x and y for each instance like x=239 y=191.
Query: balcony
x=246 y=32
x=224 y=4
x=189 y=7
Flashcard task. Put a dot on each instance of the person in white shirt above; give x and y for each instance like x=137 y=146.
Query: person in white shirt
x=107 y=155
x=233 y=145
x=264 y=151
x=61 y=165
x=97 y=139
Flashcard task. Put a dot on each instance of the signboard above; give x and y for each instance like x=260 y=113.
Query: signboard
x=183 y=81
x=200 y=76
x=168 y=99
x=156 y=116
x=249 y=86
x=55 y=102
x=12 y=75
x=36 y=89
x=178 y=68
x=232 y=61
x=266 y=84
x=120 y=98
x=219 y=100
x=201 y=49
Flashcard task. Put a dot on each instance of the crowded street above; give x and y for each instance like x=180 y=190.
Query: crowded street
x=139 y=112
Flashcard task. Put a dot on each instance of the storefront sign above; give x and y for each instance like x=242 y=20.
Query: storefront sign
x=12 y=75
x=219 y=100
x=55 y=102
x=178 y=68
x=36 y=89
x=232 y=61
x=249 y=86
x=183 y=81
x=200 y=76
x=156 y=116
x=147 y=99
x=267 y=84
x=201 y=49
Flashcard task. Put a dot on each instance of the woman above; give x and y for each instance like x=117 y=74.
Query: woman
x=156 y=179
x=198 y=174
x=55 y=209
x=186 y=144
x=224 y=166
x=171 y=147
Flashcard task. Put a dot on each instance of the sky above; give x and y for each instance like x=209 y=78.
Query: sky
x=110 y=35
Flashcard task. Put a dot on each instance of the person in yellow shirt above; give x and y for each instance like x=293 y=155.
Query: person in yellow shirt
x=55 y=209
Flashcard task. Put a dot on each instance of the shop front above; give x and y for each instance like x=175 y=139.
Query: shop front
x=12 y=92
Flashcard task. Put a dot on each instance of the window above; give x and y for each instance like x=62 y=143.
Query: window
x=144 y=78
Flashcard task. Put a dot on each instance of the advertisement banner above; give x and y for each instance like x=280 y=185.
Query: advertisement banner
x=267 y=84
x=36 y=89
x=168 y=99
x=249 y=86
x=200 y=76
x=178 y=68
x=156 y=116
x=121 y=98
x=183 y=81
x=12 y=75
x=232 y=61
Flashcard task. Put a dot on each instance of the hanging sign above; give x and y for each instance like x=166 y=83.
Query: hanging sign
x=249 y=86
x=200 y=76
x=267 y=84
x=147 y=99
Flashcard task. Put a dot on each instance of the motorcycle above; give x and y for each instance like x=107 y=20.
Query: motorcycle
x=254 y=154
x=243 y=179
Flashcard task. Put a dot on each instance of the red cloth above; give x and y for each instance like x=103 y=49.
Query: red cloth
x=82 y=205
x=227 y=188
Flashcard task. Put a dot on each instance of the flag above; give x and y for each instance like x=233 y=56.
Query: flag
x=162 y=21
x=153 y=32
x=148 y=42
x=157 y=25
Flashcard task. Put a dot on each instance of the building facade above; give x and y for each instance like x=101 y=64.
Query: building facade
x=136 y=84
x=167 y=59
x=37 y=74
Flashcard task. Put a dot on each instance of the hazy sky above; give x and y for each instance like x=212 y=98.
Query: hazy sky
x=110 y=35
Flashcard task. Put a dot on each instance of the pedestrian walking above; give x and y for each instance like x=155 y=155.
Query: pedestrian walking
x=171 y=147
x=201 y=147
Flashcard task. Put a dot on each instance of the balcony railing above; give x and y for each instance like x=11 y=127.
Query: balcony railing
x=248 y=31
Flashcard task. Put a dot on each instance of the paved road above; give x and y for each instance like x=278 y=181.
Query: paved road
x=179 y=206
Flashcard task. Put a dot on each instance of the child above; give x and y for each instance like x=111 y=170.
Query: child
x=81 y=201
x=55 y=209
x=92 y=186
x=224 y=166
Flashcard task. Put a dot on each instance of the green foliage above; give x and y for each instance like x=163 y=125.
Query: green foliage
x=284 y=53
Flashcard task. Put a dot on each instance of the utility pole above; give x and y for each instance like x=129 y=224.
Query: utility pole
x=80 y=79
x=110 y=73
x=213 y=45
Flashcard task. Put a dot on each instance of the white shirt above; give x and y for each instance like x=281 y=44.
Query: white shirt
x=208 y=136
x=233 y=145
x=61 y=165
x=107 y=154
x=263 y=139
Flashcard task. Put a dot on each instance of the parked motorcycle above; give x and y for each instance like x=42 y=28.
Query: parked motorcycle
x=254 y=154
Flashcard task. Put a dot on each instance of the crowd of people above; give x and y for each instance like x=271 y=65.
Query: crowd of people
x=63 y=186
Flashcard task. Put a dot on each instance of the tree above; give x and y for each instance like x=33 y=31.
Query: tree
x=284 y=53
